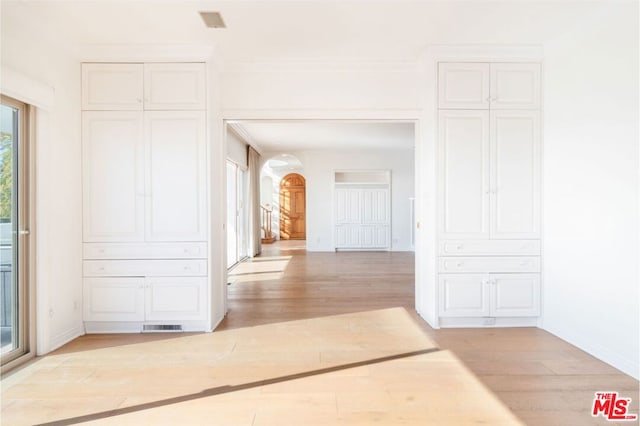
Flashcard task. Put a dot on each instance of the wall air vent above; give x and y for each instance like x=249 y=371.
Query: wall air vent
x=157 y=328
x=213 y=19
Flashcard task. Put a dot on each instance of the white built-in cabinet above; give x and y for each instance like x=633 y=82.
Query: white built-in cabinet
x=362 y=214
x=144 y=196
x=489 y=192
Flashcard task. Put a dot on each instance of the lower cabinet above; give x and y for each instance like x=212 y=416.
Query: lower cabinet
x=489 y=295
x=141 y=299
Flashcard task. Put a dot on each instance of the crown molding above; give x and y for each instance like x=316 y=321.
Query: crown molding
x=146 y=53
x=237 y=129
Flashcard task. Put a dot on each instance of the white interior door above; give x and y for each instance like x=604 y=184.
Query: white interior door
x=113 y=176
x=464 y=173
x=176 y=176
x=232 y=214
x=515 y=174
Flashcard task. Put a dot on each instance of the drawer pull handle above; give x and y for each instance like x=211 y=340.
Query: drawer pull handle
x=459 y=247
x=460 y=264
x=187 y=268
x=101 y=268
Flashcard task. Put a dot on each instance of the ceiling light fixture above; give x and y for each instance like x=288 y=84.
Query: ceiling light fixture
x=213 y=19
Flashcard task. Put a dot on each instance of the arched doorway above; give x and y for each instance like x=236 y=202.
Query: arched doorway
x=293 y=207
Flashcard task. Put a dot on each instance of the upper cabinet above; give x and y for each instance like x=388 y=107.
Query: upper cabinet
x=178 y=86
x=489 y=86
x=112 y=87
x=463 y=86
x=153 y=86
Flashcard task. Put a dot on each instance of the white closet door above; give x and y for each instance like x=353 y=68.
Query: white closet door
x=515 y=86
x=464 y=173
x=515 y=295
x=375 y=208
x=178 y=86
x=464 y=295
x=113 y=176
x=515 y=174
x=463 y=86
x=176 y=176
x=348 y=205
x=114 y=87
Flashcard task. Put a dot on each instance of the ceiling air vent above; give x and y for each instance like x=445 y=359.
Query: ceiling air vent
x=213 y=19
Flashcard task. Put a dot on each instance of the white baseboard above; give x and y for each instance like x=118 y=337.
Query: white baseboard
x=587 y=344
x=65 y=337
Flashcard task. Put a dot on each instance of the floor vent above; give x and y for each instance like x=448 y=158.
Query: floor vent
x=161 y=328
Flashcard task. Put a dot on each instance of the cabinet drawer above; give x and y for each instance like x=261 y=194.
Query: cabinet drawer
x=490 y=264
x=141 y=268
x=490 y=247
x=145 y=251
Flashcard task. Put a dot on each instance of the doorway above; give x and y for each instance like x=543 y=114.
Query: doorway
x=293 y=207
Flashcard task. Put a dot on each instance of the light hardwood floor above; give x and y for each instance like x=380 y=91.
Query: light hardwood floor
x=315 y=339
x=541 y=378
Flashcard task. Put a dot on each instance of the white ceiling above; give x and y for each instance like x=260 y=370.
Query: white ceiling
x=396 y=30
x=290 y=136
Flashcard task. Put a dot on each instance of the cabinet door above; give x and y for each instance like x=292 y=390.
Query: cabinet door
x=175 y=298
x=515 y=174
x=463 y=86
x=382 y=236
x=375 y=206
x=515 y=295
x=178 y=86
x=464 y=295
x=463 y=151
x=515 y=86
x=113 y=176
x=348 y=202
x=348 y=236
x=176 y=176
x=113 y=299
x=113 y=87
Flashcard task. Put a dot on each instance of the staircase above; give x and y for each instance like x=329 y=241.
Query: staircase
x=269 y=237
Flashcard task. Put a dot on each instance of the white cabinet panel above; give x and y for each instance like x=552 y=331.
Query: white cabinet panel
x=175 y=299
x=142 y=268
x=174 y=86
x=113 y=176
x=490 y=264
x=113 y=299
x=176 y=178
x=515 y=295
x=464 y=295
x=515 y=86
x=464 y=173
x=490 y=247
x=515 y=174
x=115 y=87
x=375 y=206
x=348 y=204
x=489 y=295
x=347 y=236
x=144 y=250
x=463 y=86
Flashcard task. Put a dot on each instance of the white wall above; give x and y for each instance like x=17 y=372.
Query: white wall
x=591 y=255
x=32 y=51
x=319 y=168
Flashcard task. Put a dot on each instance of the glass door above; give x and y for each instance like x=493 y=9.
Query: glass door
x=14 y=339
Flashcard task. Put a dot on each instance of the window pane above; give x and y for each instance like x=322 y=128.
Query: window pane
x=9 y=327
